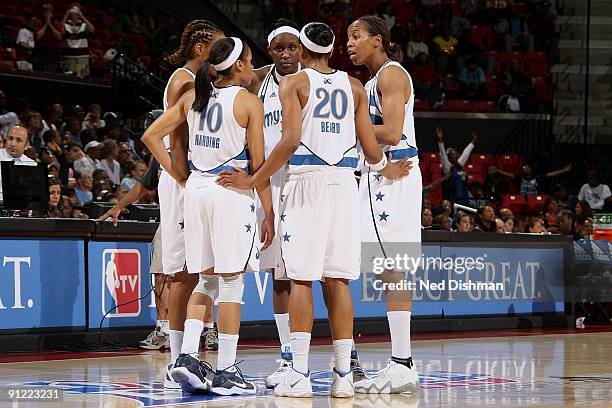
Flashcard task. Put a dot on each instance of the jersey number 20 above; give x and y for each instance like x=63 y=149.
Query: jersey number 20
x=329 y=103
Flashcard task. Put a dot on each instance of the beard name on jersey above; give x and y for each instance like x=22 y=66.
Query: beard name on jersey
x=207 y=141
x=330 y=127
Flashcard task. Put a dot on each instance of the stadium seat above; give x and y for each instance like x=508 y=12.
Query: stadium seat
x=484 y=106
x=509 y=162
x=535 y=202
x=4 y=64
x=485 y=160
x=459 y=106
x=476 y=177
x=429 y=157
x=421 y=105
x=542 y=88
x=514 y=202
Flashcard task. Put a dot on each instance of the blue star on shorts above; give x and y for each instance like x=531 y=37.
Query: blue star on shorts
x=282 y=217
x=377 y=176
x=379 y=196
x=383 y=216
x=286 y=237
x=182 y=224
x=248 y=227
x=252 y=207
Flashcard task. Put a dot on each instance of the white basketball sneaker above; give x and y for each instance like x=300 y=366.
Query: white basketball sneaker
x=342 y=384
x=276 y=377
x=395 y=378
x=294 y=384
x=169 y=383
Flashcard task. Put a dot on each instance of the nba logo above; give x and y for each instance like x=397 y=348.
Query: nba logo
x=121 y=282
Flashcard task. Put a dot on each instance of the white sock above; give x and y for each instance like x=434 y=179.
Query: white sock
x=300 y=345
x=209 y=325
x=282 y=325
x=191 y=339
x=164 y=326
x=176 y=341
x=399 y=325
x=342 y=354
x=226 y=356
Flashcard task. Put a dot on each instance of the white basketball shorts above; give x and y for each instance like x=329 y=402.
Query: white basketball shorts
x=391 y=209
x=220 y=226
x=172 y=226
x=156 y=253
x=320 y=232
x=270 y=257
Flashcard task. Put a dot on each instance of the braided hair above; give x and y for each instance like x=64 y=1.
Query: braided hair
x=194 y=32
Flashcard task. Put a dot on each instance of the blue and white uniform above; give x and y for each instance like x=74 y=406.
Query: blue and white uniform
x=220 y=222
x=391 y=209
x=171 y=209
x=269 y=95
x=318 y=229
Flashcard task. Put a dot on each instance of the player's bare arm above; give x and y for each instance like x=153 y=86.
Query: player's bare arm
x=394 y=95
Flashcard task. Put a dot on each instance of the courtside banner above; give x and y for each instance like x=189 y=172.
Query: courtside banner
x=118 y=278
x=42 y=283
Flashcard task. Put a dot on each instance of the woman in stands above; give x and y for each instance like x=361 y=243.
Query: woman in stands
x=390 y=209
x=225 y=127
x=196 y=42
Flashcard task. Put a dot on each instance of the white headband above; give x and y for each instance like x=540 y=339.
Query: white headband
x=233 y=57
x=283 y=30
x=312 y=46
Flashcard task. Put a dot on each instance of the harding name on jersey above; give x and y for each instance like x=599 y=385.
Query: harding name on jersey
x=207 y=141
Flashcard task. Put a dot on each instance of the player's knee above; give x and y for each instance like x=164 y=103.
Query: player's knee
x=231 y=288
x=209 y=286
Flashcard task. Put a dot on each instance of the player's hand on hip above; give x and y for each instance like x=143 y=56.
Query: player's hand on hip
x=396 y=170
x=238 y=179
x=267 y=232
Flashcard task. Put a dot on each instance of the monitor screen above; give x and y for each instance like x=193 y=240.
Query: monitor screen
x=25 y=186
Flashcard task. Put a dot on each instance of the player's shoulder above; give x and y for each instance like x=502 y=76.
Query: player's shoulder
x=248 y=99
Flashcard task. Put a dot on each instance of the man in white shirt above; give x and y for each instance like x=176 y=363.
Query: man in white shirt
x=25 y=45
x=91 y=160
x=16 y=144
x=595 y=193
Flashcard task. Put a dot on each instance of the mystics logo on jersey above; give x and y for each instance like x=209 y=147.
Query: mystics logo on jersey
x=121 y=282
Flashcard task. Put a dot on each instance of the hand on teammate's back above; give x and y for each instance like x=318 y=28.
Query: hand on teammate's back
x=396 y=170
x=238 y=179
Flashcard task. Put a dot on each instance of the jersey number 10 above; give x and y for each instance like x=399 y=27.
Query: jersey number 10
x=212 y=117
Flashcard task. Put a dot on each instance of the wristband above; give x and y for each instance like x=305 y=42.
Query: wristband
x=380 y=165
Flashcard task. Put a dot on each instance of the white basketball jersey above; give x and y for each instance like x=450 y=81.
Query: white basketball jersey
x=216 y=141
x=407 y=147
x=268 y=93
x=165 y=100
x=328 y=125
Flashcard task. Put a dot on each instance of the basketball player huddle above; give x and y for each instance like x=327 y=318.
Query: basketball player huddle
x=259 y=173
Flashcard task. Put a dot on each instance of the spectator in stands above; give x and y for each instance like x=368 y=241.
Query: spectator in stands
x=75 y=28
x=452 y=163
x=385 y=11
x=495 y=185
x=467 y=50
x=566 y=224
x=426 y=80
x=71 y=153
x=83 y=190
x=14 y=148
x=595 y=193
x=35 y=130
x=54 y=115
x=472 y=81
x=541 y=25
x=1 y=142
x=93 y=119
x=560 y=194
x=513 y=75
x=101 y=188
x=54 y=169
x=136 y=171
x=583 y=212
x=53 y=143
x=67 y=207
x=426 y=12
x=485 y=219
x=465 y=222
x=441 y=223
x=528 y=182
x=142 y=21
x=426 y=218
x=55 y=199
x=72 y=129
x=91 y=160
x=48 y=37
x=446 y=50
x=551 y=211
x=499 y=226
x=110 y=151
x=515 y=30
x=476 y=195
x=509 y=102
x=25 y=44
x=416 y=46
x=535 y=225
x=587 y=229
x=507 y=217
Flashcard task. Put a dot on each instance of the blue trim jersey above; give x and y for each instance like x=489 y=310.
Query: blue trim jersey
x=273 y=114
x=328 y=125
x=216 y=141
x=407 y=147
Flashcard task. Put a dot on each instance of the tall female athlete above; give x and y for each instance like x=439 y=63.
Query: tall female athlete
x=225 y=125
x=324 y=111
x=390 y=209
x=196 y=42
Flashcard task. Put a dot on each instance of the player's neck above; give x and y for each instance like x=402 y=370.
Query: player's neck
x=376 y=62
x=319 y=65
x=193 y=65
x=224 y=83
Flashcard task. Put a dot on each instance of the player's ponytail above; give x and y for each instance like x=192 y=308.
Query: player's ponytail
x=203 y=88
x=377 y=26
x=195 y=32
